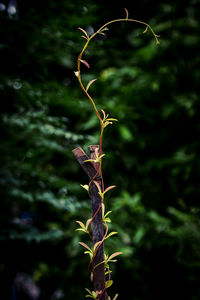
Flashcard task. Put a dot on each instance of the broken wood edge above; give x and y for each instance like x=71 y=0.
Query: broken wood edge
x=90 y=169
x=88 y=166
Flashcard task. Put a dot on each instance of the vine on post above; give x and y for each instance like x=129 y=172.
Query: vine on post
x=99 y=261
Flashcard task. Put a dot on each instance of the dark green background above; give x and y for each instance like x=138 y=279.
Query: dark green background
x=152 y=153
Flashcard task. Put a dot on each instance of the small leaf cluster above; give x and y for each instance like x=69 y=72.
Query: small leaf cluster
x=83 y=227
x=94 y=295
x=102 y=193
x=86 y=228
x=106 y=121
x=91 y=251
x=97 y=157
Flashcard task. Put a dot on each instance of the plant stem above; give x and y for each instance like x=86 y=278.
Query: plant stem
x=99 y=168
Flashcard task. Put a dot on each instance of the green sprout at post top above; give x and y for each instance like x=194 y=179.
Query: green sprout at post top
x=104 y=122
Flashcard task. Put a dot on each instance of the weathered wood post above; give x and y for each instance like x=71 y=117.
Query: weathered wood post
x=91 y=169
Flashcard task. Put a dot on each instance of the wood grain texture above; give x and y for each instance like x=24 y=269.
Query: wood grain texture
x=88 y=167
x=91 y=169
x=97 y=227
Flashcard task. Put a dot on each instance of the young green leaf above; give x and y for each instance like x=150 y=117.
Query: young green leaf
x=100 y=32
x=81 y=224
x=103 y=210
x=100 y=157
x=108 y=272
x=104 y=114
x=105 y=28
x=109 y=188
x=94 y=294
x=87 y=223
x=86 y=246
x=90 y=254
x=107 y=220
x=96 y=160
x=110 y=234
x=108 y=283
x=114 y=255
x=89 y=292
x=108 y=212
x=106 y=122
x=80 y=229
x=99 y=189
x=112 y=119
x=97 y=185
x=89 y=84
x=87 y=160
x=96 y=245
x=105 y=256
x=83 y=31
x=85 y=63
x=85 y=186
x=83 y=36
x=126 y=13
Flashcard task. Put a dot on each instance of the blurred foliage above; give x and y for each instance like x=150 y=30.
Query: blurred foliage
x=152 y=154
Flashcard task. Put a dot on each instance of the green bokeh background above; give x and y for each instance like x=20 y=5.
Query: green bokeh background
x=152 y=153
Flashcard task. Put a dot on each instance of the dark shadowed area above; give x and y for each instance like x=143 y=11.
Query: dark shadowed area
x=152 y=152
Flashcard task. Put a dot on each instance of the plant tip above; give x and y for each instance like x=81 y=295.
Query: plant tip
x=126 y=10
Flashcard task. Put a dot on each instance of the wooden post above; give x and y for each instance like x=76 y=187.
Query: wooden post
x=97 y=226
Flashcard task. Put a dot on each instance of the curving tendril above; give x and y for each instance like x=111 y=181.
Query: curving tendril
x=104 y=121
